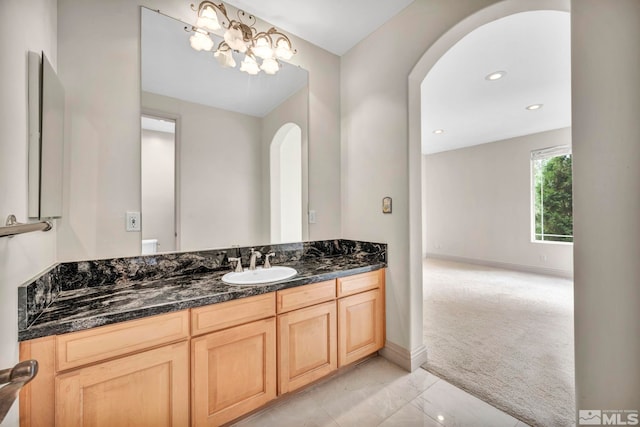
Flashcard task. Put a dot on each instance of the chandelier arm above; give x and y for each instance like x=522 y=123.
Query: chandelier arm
x=264 y=34
x=223 y=46
x=274 y=31
x=218 y=8
x=251 y=20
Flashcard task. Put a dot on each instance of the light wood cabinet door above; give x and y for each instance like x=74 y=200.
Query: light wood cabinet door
x=233 y=372
x=145 y=389
x=360 y=326
x=307 y=348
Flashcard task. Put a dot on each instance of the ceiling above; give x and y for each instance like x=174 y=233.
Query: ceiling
x=334 y=25
x=534 y=50
x=532 y=47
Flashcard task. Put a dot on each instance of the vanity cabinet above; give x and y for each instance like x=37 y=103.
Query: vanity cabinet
x=361 y=316
x=307 y=335
x=204 y=366
x=233 y=370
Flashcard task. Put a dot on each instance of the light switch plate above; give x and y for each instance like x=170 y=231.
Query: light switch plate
x=312 y=217
x=133 y=221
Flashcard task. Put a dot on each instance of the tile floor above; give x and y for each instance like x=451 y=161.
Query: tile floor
x=378 y=393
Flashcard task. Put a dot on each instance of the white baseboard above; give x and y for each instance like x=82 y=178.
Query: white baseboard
x=505 y=265
x=408 y=360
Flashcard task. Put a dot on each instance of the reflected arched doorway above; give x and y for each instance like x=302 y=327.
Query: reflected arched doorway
x=286 y=184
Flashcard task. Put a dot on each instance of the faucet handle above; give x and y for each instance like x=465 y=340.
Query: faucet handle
x=267 y=264
x=238 y=261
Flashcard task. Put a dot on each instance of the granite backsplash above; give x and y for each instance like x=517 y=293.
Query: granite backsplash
x=35 y=296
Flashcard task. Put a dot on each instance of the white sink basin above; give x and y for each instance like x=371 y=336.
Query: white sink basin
x=259 y=276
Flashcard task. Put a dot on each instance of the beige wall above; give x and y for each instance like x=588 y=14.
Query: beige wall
x=220 y=174
x=606 y=152
x=374 y=102
x=158 y=188
x=24 y=26
x=478 y=205
x=99 y=66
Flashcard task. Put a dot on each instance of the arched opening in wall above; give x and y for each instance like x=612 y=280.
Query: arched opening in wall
x=489 y=317
x=286 y=184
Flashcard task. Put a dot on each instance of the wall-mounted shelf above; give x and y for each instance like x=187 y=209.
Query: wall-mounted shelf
x=14 y=227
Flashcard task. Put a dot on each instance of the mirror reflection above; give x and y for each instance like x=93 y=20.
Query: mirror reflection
x=224 y=153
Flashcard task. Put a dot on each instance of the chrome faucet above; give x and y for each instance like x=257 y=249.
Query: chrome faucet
x=252 y=261
x=267 y=264
x=238 y=261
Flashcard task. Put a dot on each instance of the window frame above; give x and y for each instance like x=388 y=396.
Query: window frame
x=542 y=154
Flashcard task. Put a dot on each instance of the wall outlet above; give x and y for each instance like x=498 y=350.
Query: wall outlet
x=312 y=217
x=133 y=221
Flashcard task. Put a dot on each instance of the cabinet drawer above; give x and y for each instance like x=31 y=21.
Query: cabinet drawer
x=232 y=313
x=93 y=345
x=360 y=282
x=304 y=296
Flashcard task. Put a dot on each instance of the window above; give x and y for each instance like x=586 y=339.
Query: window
x=552 y=196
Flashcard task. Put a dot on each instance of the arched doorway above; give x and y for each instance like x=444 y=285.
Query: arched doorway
x=286 y=184
x=416 y=78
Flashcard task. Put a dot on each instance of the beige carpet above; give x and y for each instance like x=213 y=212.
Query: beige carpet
x=503 y=336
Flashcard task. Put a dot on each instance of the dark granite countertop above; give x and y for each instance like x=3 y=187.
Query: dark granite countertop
x=89 y=307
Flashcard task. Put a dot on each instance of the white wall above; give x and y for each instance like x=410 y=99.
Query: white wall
x=158 y=188
x=24 y=26
x=606 y=153
x=220 y=160
x=374 y=108
x=100 y=68
x=478 y=205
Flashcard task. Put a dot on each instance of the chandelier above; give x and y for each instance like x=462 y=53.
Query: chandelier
x=239 y=36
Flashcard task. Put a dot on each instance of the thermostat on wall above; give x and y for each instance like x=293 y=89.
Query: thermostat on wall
x=386 y=205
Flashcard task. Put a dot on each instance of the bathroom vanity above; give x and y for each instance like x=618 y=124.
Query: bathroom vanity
x=187 y=349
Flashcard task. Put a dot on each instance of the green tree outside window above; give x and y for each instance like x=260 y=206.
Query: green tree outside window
x=553 y=199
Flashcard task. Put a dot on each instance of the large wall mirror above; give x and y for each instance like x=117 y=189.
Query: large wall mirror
x=224 y=153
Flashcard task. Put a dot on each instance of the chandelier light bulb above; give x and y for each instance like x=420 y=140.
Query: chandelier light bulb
x=233 y=37
x=208 y=19
x=262 y=48
x=201 y=41
x=270 y=66
x=249 y=65
x=225 y=58
x=283 y=49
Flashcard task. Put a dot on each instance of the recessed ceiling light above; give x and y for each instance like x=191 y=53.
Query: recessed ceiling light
x=534 y=107
x=438 y=131
x=440 y=418
x=496 y=75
